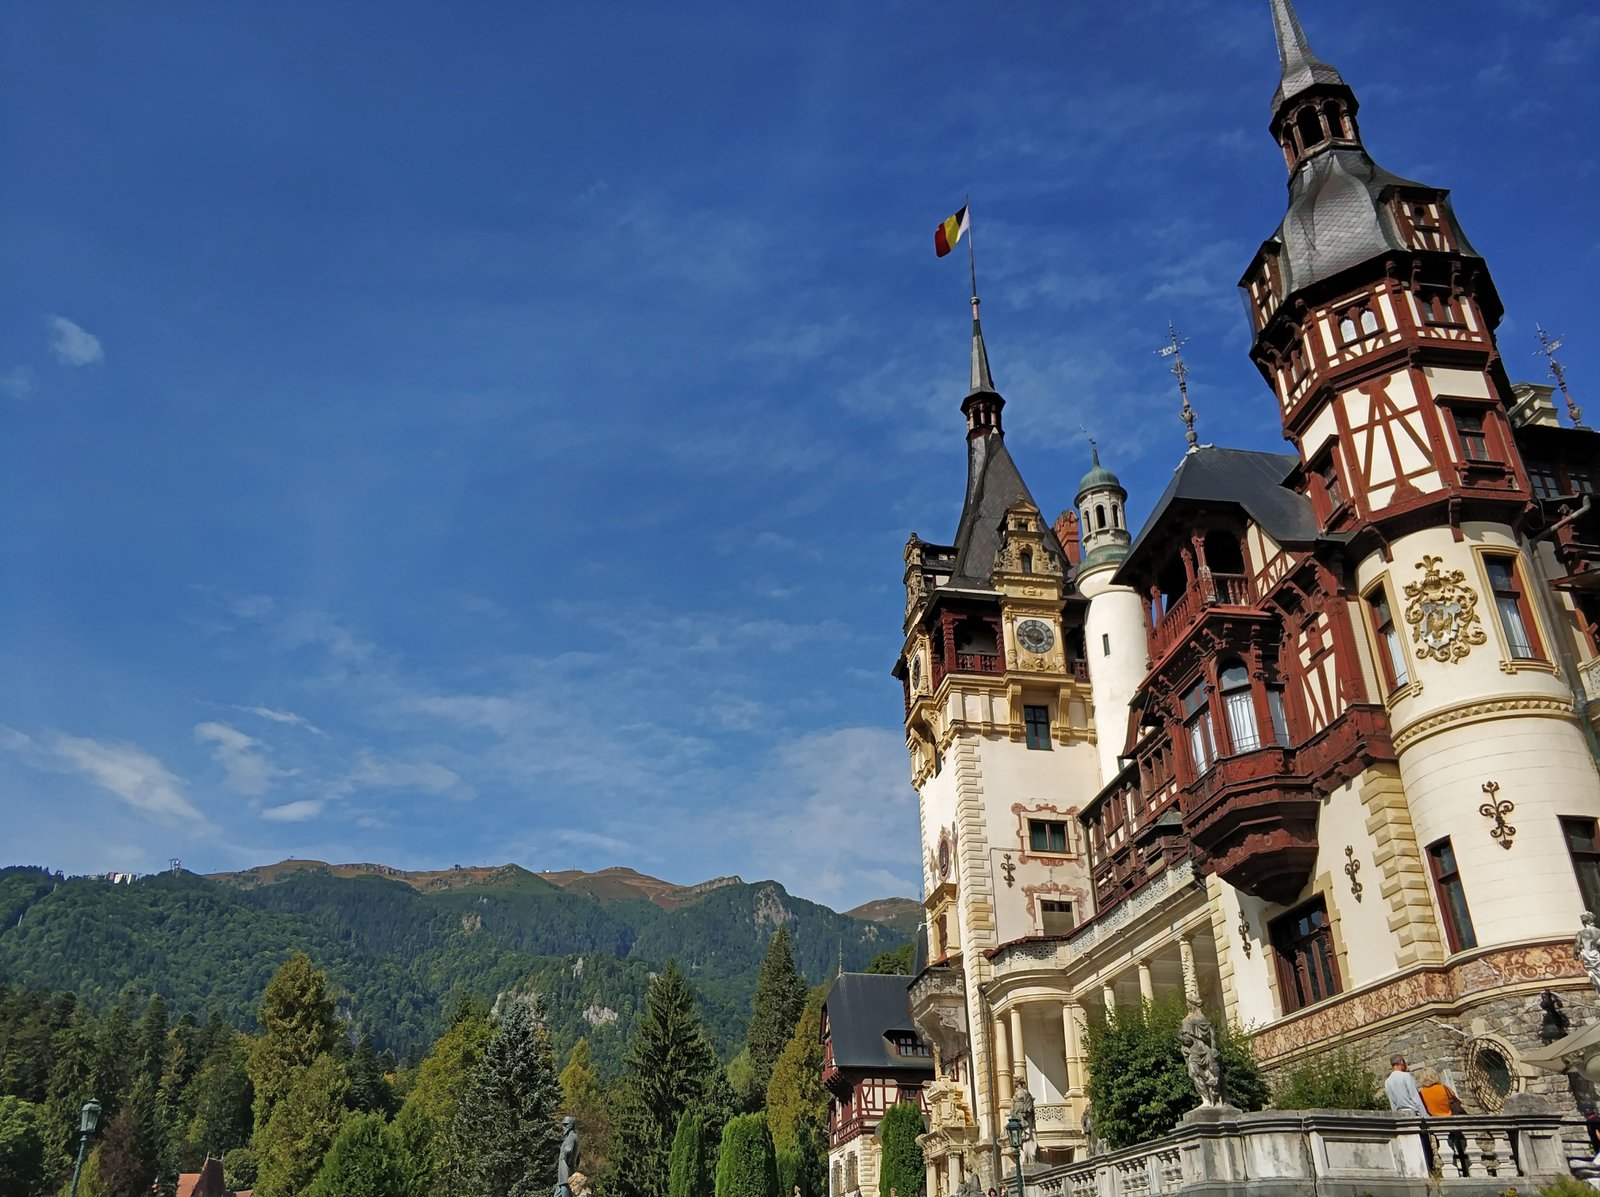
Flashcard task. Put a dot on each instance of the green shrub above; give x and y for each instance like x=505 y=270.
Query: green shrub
x=1138 y=1083
x=903 y=1170
x=1331 y=1081
x=1567 y=1186
x=686 y=1167
x=746 y=1166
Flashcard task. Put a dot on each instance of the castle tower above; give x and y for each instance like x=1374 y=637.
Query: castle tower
x=1000 y=732
x=1374 y=323
x=1115 y=628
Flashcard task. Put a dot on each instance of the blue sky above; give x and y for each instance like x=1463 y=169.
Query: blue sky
x=456 y=434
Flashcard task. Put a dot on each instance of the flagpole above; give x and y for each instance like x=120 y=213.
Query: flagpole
x=972 y=260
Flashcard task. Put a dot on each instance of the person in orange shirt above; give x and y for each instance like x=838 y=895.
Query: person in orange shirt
x=1441 y=1101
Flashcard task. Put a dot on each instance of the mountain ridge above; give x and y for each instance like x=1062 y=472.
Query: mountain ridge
x=401 y=945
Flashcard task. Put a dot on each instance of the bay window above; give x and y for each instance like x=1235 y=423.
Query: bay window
x=1239 y=706
x=1197 y=724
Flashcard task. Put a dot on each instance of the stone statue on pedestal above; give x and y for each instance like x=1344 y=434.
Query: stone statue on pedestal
x=1586 y=947
x=970 y=1186
x=1198 y=1039
x=567 y=1160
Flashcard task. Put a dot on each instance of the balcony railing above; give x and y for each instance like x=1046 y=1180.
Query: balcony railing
x=979 y=663
x=1207 y=590
x=1321 y=1151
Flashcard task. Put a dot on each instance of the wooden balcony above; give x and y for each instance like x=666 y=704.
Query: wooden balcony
x=1208 y=590
x=1253 y=816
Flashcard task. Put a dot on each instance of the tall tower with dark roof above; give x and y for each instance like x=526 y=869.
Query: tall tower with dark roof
x=1001 y=734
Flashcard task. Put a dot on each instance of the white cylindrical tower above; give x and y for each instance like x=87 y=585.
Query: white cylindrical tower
x=1114 y=636
x=1491 y=754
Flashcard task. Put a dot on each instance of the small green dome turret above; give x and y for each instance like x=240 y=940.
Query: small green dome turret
x=1098 y=477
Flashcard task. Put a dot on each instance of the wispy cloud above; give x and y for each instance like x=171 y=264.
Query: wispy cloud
x=131 y=774
x=243 y=758
x=72 y=344
x=293 y=812
x=16 y=383
x=289 y=718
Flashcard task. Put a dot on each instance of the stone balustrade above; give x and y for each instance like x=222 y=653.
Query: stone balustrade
x=1320 y=1153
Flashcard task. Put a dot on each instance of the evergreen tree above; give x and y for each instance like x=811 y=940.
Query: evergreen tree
x=687 y=1174
x=895 y=961
x=746 y=1165
x=129 y=1154
x=902 y=1169
x=23 y=1153
x=427 y=1119
x=780 y=997
x=506 y=1123
x=670 y=1068
x=795 y=1096
x=218 y=1102
x=72 y=1078
x=364 y=1161
x=113 y=1054
x=301 y=1128
x=583 y=1098
x=150 y=1043
x=297 y=1014
x=370 y=1090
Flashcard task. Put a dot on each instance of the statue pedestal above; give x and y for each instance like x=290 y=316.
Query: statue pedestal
x=1209 y=1114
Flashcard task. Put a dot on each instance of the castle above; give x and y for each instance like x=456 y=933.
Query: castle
x=1317 y=745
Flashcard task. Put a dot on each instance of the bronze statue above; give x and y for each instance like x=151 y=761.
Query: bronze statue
x=567 y=1161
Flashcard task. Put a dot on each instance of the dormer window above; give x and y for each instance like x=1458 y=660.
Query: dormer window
x=1027 y=560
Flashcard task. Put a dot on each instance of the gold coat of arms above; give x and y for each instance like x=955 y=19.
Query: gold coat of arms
x=1443 y=613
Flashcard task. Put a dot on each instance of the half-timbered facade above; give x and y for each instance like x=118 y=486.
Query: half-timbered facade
x=1317 y=745
x=872 y=1058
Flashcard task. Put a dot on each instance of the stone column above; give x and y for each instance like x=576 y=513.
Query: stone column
x=1019 y=1057
x=1191 y=978
x=1002 y=1065
x=1108 y=995
x=1072 y=1025
x=1147 y=984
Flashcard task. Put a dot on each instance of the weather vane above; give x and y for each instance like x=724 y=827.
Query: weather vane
x=1174 y=349
x=1547 y=349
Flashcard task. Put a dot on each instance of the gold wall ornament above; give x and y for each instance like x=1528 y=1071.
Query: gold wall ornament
x=1443 y=613
x=1244 y=934
x=1497 y=808
x=1352 y=866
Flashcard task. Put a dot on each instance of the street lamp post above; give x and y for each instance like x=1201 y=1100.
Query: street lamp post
x=1014 y=1129
x=88 y=1119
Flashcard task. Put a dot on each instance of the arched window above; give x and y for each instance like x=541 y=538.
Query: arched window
x=1240 y=707
x=1027 y=561
x=1309 y=124
x=1116 y=515
x=1369 y=320
x=1099 y=516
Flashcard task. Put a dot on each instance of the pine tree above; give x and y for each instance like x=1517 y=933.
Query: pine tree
x=427 y=1119
x=297 y=1014
x=584 y=1099
x=150 y=1043
x=301 y=1128
x=506 y=1123
x=23 y=1152
x=687 y=1175
x=72 y=1078
x=113 y=1052
x=370 y=1090
x=364 y=1161
x=780 y=998
x=902 y=1169
x=746 y=1165
x=218 y=1101
x=795 y=1096
x=670 y=1068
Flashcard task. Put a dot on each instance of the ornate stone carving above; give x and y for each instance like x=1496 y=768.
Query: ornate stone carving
x=1442 y=612
x=1200 y=1054
x=1586 y=949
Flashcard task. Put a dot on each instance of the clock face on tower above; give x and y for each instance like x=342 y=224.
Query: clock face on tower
x=1035 y=635
x=916 y=672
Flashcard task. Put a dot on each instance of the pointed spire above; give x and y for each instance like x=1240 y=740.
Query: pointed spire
x=1180 y=370
x=982 y=380
x=1301 y=67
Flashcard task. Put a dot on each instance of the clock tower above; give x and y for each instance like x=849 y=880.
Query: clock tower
x=1001 y=737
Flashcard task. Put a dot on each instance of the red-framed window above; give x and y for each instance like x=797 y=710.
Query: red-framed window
x=1308 y=968
x=1470 y=431
x=1197 y=726
x=1583 y=846
x=1452 y=896
x=1511 y=605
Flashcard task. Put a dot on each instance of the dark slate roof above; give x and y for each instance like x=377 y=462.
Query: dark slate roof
x=1301 y=68
x=862 y=1009
x=1338 y=217
x=1248 y=478
x=993 y=485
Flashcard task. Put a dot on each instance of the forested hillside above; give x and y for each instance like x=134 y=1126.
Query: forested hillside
x=399 y=957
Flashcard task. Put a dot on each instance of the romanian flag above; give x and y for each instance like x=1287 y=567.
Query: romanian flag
x=948 y=233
